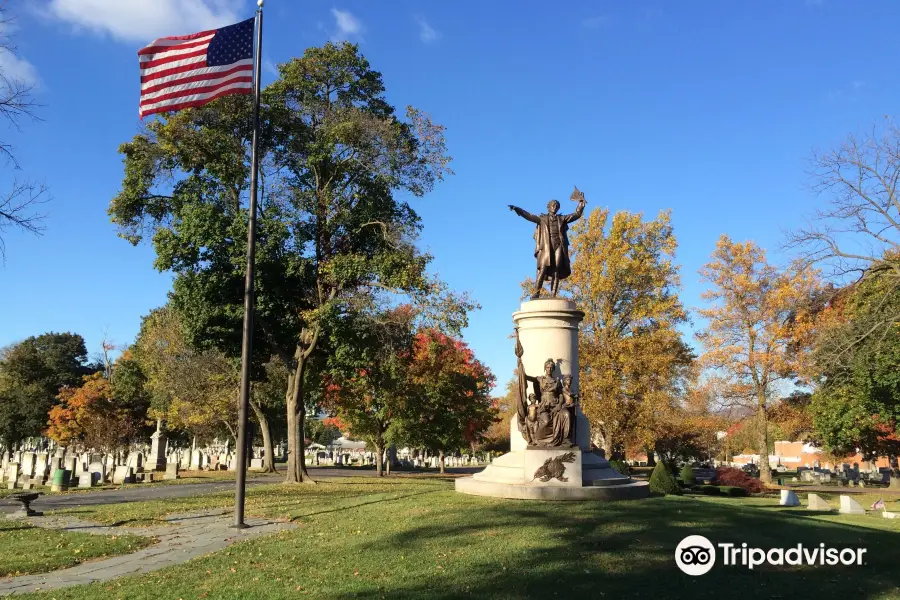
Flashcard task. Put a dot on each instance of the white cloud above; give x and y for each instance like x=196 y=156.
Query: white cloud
x=348 y=26
x=427 y=33
x=17 y=68
x=13 y=66
x=269 y=67
x=146 y=20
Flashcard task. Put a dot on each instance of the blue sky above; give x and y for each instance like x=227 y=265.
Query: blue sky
x=710 y=109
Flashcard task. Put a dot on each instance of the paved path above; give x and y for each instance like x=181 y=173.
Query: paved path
x=189 y=536
x=138 y=493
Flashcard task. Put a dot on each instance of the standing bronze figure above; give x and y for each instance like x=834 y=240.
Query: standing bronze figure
x=551 y=243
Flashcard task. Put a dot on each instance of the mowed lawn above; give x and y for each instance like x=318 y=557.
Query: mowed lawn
x=27 y=550
x=417 y=538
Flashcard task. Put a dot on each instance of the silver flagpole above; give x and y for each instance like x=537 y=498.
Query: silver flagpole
x=247 y=346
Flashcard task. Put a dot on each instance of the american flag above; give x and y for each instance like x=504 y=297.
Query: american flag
x=879 y=504
x=190 y=70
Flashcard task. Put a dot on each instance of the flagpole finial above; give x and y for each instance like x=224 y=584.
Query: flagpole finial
x=260 y=3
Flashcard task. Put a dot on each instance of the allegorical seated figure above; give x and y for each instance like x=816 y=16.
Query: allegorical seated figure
x=549 y=420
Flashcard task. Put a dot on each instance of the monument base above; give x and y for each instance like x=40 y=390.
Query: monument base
x=538 y=473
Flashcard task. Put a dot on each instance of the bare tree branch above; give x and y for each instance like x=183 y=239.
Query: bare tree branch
x=19 y=210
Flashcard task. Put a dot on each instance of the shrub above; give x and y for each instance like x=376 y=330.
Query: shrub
x=707 y=490
x=729 y=477
x=662 y=481
x=730 y=490
x=621 y=466
x=687 y=475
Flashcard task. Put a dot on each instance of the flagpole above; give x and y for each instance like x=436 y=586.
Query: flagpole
x=247 y=346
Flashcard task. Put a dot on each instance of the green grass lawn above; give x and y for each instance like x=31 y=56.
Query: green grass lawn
x=25 y=549
x=417 y=538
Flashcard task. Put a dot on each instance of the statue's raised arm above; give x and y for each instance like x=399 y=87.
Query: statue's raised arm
x=577 y=196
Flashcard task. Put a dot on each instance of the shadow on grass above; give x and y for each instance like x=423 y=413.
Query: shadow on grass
x=618 y=550
x=394 y=498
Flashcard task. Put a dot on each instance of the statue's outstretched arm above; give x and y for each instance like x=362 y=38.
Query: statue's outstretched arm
x=525 y=214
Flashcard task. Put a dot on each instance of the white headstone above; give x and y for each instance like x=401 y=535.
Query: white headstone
x=789 y=498
x=814 y=502
x=123 y=474
x=849 y=506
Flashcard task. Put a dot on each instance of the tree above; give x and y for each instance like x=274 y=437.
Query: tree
x=496 y=438
x=450 y=407
x=334 y=155
x=857 y=233
x=92 y=415
x=190 y=389
x=18 y=206
x=31 y=374
x=857 y=403
x=369 y=379
x=631 y=353
x=758 y=328
x=267 y=399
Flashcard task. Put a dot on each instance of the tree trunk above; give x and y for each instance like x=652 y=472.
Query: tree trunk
x=651 y=458
x=268 y=452
x=303 y=474
x=441 y=461
x=292 y=433
x=765 y=472
x=379 y=459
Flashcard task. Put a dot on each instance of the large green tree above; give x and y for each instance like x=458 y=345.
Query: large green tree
x=334 y=157
x=369 y=376
x=32 y=372
x=857 y=403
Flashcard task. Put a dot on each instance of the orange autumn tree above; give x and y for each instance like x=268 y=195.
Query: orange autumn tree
x=451 y=405
x=91 y=415
x=759 y=329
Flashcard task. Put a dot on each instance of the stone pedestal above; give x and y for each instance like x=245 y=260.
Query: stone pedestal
x=548 y=328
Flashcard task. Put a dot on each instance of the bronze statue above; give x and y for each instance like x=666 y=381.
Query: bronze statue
x=546 y=416
x=551 y=243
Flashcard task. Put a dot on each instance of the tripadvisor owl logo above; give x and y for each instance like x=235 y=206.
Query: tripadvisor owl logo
x=696 y=555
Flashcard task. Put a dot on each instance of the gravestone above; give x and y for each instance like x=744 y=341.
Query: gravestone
x=135 y=460
x=123 y=474
x=12 y=474
x=171 y=471
x=40 y=468
x=69 y=464
x=789 y=498
x=97 y=471
x=157 y=459
x=86 y=479
x=27 y=465
x=256 y=463
x=890 y=515
x=849 y=506
x=814 y=502
x=197 y=460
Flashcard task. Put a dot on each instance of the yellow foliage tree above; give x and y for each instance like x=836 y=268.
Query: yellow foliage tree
x=632 y=356
x=759 y=328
